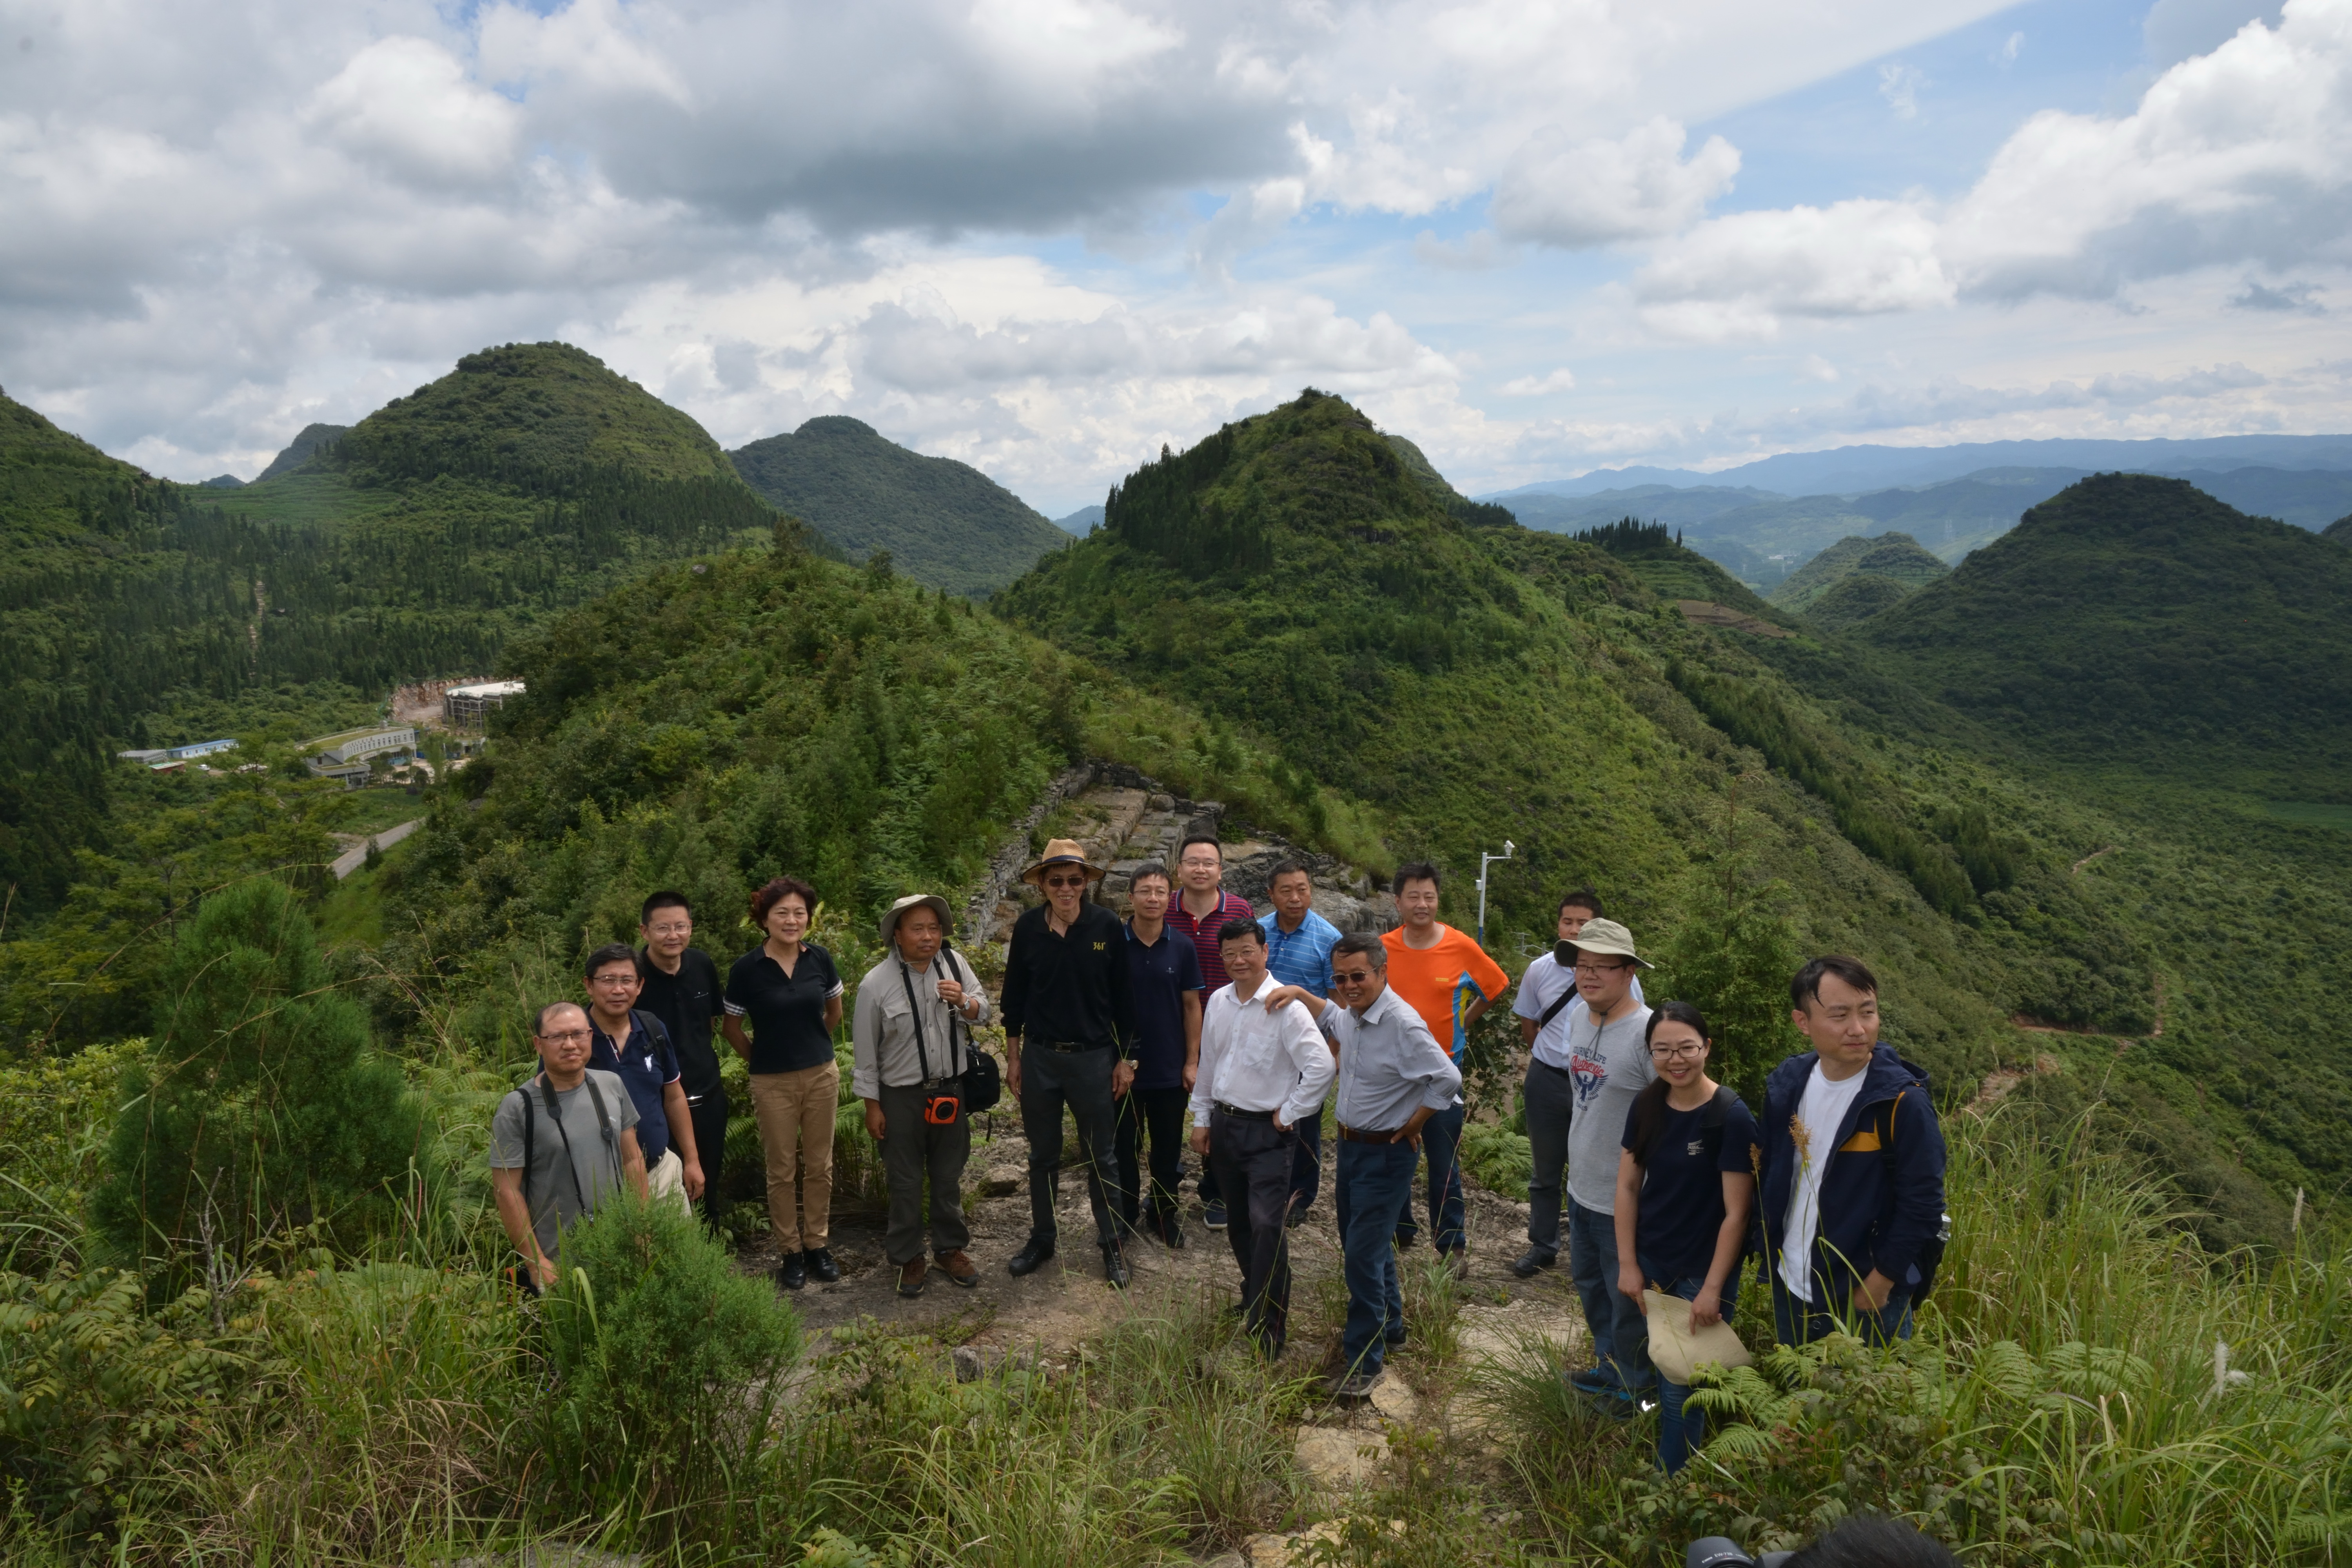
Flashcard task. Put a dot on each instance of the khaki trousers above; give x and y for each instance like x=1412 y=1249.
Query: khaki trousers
x=666 y=1183
x=795 y=1113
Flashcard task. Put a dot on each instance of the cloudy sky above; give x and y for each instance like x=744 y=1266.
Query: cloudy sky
x=1539 y=236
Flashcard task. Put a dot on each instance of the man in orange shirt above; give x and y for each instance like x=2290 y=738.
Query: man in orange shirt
x=1447 y=978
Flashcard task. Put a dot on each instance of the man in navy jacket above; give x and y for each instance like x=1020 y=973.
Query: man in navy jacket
x=1852 y=1179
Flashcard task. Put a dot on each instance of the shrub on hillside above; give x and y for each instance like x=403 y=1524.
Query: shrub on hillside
x=1730 y=956
x=259 y=1106
x=669 y=1357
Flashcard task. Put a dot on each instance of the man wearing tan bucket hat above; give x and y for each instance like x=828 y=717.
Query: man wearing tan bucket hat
x=1069 y=1032
x=912 y=1036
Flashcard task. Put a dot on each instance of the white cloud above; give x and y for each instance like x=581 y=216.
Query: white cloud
x=1561 y=380
x=1592 y=191
x=1736 y=276
x=1899 y=85
x=406 y=103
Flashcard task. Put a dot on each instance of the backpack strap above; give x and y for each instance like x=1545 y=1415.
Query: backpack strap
x=530 y=1144
x=1559 y=1002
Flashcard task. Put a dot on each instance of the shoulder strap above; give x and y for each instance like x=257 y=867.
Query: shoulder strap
x=529 y=1143
x=1562 y=1000
x=1718 y=1108
x=651 y=1025
x=915 y=1011
x=1887 y=1130
x=955 y=1016
x=556 y=1114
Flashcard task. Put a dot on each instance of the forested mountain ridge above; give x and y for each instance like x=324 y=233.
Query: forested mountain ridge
x=945 y=523
x=1894 y=556
x=300 y=450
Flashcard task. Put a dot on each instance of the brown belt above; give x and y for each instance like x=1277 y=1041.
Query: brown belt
x=1357 y=1135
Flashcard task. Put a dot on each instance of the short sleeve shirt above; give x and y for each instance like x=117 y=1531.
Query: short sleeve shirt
x=1682 y=1187
x=1159 y=976
x=1441 y=980
x=559 y=1192
x=1607 y=1066
x=1301 y=957
x=785 y=1012
x=686 y=1002
x=646 y=1064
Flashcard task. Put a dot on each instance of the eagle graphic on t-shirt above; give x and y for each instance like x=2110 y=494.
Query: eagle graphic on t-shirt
x=1589 y=1074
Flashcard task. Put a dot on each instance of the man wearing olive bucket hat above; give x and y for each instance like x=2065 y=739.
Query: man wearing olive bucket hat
x=912 y=1036
x=1069 y=1035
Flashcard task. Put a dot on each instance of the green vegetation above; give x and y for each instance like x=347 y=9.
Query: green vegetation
x=944 y=524
x=300 y=449
x=2072 y=632
x=1856 y=598
x=1895 y=558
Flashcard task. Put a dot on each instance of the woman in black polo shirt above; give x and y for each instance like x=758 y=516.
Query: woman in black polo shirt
x=789 y=989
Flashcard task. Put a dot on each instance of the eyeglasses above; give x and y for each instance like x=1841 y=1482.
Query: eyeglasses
x=1676 y=1053
x=564 y=1034
x=1066 y=881
x=1599 y=969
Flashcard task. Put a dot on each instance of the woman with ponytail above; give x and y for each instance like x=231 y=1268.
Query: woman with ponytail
x=1683 y=1185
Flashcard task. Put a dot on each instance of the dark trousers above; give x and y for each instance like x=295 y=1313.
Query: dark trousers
x=1799 y=1322
x=1081 y=1080
x=1374 y=1185
x=710 y=1116
x=913 y=1150
x=1439 y=1134
x=1252 y=1160
x=1157 y=1115
x=1620 y=1331
x=1549 y=1097
x=1307 y=1165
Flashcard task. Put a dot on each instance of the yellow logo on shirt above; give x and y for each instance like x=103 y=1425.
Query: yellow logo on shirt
x=1098 y=947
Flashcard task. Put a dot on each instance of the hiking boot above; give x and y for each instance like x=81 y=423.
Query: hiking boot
x=1355 y=1386
x=958 y=1268
x=793 y=1272
x=1213 y=1216
x=1395 y=1337
x=1534 y=1261
x=1457 y=1263
x=821 y=1265
x=1030 y=1258
x=1115 y=1268
x=911 y=1276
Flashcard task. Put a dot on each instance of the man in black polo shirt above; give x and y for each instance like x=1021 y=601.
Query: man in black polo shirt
x=681 y=988
x=1067 y=999
x=627 y=1042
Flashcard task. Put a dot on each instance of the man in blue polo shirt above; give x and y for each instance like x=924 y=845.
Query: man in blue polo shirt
x=1163 y=976
x=637 y=1046
x=1299 y=953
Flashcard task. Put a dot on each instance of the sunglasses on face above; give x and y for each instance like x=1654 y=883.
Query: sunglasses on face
x=1066 y=881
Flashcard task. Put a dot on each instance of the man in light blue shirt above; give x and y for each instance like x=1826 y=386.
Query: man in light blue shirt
x=1299 y=953
x=1393 y=1077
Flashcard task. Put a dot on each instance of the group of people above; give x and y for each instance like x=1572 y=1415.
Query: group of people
x=1195 y=1021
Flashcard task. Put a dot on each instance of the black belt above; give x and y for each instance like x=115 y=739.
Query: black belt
x=1539 y=1061
x=1071 y=1047
x=1240 y=1115
x=1358 y=1135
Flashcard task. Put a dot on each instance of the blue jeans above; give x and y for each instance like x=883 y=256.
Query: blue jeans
x=1373 y=1187
x=1439 y=1134
x=1620 y=1335
x=1801 y=1323
x=1683 y=1430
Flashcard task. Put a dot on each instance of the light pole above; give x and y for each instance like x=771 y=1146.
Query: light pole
x=1509 y=849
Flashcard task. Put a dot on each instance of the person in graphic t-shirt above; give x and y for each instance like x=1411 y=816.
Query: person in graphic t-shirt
x=682 y=988
x=1685 y=1180
x=1448 y=979
x=1853 y=1186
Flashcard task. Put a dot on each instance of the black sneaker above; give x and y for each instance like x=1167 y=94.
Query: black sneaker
x=1397 y=1336
x=793 y=1272
x=1170 y=1228
x=1115 y=1268
x=1030 y=1258
x=1534 y=1261
x=1213 y=1216
x=821 y=1265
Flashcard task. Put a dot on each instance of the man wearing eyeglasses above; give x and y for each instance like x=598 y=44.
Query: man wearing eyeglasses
x=1608 y=1065
x=1199 y=913
x=562 y=1143
x=1069 y=1040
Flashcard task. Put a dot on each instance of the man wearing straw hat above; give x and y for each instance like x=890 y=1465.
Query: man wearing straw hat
x=1069 y=1031
x=912 y=1034
x=1608 y=1065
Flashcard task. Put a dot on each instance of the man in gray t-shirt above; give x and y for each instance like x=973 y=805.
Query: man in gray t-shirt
x=1608 y=1064
x=577 y=1133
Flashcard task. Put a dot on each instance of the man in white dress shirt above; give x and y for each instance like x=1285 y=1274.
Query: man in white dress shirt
x=1262 y=1073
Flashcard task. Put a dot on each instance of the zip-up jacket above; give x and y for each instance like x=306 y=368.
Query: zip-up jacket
x=1878 y=1208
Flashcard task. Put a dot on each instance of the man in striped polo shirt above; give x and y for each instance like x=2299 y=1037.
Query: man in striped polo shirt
x=1200 y=912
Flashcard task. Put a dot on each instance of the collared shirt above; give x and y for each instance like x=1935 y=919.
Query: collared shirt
x=643 y=1065
x=1440 y=981
x=1160 y=975
x=1069 y=985
x=686 y=1002
x=1389 y=1065
x=1254 y=1060
x=882 y=1027
x=786 y=1011
x=1541 y=986
x=1301 y=957
x=1202 y=933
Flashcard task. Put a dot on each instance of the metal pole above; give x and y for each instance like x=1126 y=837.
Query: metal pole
x=1509 y=849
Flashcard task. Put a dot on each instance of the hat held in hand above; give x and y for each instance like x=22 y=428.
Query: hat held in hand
x=1061 y=852
x=1608 y=939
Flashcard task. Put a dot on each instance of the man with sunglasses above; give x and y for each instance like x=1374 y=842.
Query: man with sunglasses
x=562 y=1143
x=1607 y=1066
x=1069 y=1038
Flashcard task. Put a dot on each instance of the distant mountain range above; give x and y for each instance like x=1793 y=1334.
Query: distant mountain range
x=945 y=523
x=1850 y=470
x=1083 y=521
